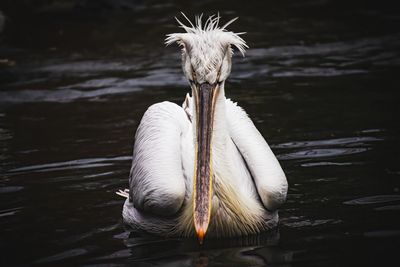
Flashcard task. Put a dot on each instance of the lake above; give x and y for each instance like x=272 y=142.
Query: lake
x=320 y=81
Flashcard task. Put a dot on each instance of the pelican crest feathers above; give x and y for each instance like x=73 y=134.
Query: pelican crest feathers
x=210 y=30
x=206 y=45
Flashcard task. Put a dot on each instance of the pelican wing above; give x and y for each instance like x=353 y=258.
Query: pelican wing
x=265 y=169
x=157 y=183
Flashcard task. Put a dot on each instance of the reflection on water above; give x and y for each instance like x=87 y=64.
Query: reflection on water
x=251 y=250
x=320 y=81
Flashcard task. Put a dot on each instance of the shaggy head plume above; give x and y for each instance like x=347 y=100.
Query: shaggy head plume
x=205 y=47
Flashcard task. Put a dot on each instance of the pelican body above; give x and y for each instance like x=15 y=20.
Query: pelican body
x=203 y=167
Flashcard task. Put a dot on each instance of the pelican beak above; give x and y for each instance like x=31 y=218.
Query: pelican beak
x=205 y=95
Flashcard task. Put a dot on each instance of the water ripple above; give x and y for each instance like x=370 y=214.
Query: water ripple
x=382 y=233
x=10 y=189
x=389 y=207
x=58 y=95
x=313 y=72
x=326 y=148
x=72 y=164
x=320 y=153
x=86 y=67
x=64 y=255
x=340 y=58
x=299 y=222
x=373 y=200
x=327 y=163
x=9 y=212
x=327 y=142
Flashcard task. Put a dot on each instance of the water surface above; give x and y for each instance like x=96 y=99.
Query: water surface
x=320 y=81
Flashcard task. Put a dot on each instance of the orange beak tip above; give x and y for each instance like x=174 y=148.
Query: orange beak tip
x=201 y=234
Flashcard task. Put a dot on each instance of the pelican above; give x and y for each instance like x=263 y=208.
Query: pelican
x=203 y=167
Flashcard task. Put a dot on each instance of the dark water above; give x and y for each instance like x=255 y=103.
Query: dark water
x=321 y=82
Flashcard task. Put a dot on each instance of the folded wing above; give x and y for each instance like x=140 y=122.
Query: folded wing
x=265 y=169
x=157 y=183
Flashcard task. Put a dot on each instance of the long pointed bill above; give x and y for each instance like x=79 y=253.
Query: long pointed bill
x=202 y=192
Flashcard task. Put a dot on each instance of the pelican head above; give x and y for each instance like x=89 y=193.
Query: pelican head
x=206 y=60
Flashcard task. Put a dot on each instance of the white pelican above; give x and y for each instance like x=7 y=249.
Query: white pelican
x=203 y=167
